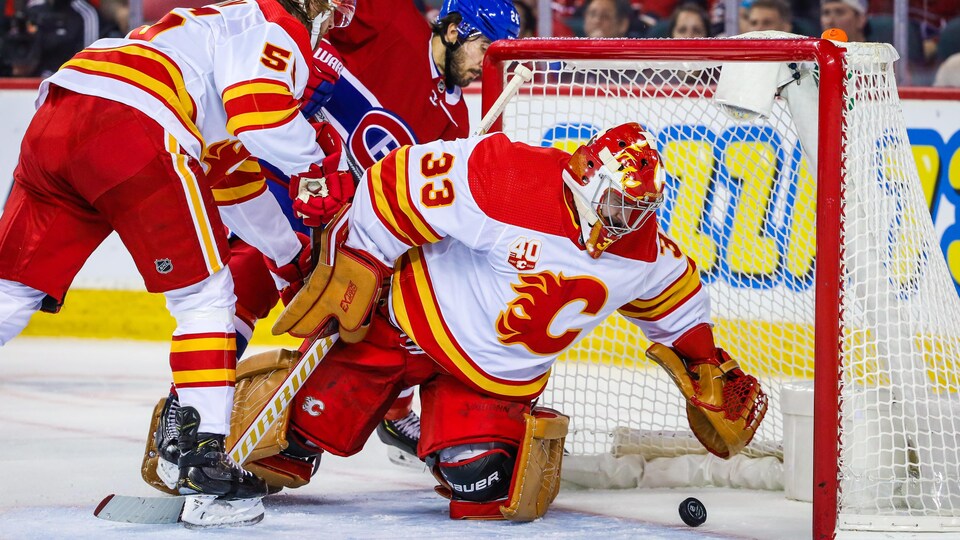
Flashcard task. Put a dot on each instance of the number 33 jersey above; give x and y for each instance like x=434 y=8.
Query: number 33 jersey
x=224 y=80
x=490 y=276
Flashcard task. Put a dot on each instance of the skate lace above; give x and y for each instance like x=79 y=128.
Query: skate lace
x=409 y=425
x=170 y=428
x=411 y=348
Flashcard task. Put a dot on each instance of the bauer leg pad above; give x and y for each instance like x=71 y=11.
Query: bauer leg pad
x=536 y=477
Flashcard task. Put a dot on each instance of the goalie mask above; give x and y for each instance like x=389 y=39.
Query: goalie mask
x=617 y=181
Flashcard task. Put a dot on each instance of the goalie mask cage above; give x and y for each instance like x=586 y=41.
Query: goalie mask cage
x=830 y=273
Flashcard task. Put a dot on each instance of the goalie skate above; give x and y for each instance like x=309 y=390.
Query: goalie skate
x=401 y=437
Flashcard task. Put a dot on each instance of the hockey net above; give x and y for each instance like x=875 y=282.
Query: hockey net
x=823 y=268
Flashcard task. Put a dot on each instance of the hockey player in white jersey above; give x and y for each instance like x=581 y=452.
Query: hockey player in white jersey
x=134 y=135
x=497 y=257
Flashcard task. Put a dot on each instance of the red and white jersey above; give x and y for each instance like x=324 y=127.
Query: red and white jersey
x=391 y=93
x=223 y=79
x=497 y=284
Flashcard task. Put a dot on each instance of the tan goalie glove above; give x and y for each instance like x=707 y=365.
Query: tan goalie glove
x=725 y=406
x=345 y=285
x=536 y=475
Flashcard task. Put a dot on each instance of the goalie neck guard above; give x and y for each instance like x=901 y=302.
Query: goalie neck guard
x=617 y=180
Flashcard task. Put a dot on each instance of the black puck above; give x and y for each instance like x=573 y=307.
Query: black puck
x=693 y=512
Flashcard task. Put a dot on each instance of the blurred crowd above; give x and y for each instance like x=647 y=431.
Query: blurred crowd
x=36 y=36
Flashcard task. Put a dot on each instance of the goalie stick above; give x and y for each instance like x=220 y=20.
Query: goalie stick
x=159 y=510
x=521 y=74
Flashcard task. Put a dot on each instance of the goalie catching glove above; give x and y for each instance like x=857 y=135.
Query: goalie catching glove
x=345 y=285
x=724 y=405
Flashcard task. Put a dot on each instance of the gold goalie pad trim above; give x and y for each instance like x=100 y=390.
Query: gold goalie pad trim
x=343 y=286
x=536 y=476
x=148 y=467
x=723 y=411
x=258 y=378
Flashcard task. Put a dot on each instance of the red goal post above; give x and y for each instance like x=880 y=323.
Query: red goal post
x=867 y=290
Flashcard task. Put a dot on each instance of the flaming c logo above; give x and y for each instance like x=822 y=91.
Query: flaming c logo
x=541 y=297
x=223 y=156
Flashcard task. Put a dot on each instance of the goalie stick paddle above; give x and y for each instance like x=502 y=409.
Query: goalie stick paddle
x=161 y=510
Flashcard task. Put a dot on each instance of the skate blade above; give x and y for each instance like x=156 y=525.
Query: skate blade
x=206 y=511
x=403 y=459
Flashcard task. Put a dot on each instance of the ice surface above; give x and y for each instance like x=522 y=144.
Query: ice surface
x=73 y=422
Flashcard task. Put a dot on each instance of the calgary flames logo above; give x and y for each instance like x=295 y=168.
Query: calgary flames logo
x=541 y=297
x=222 y=157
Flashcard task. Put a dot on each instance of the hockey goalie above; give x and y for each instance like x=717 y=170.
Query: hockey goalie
x=467 y=267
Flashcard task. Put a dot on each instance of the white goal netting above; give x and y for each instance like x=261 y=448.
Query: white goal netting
x=742 y=202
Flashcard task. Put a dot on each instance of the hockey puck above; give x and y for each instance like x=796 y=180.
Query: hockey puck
x=693 y=512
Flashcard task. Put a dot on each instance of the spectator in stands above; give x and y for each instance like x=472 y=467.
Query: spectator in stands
x=948 y=74
x=561 y=14
x=769 y=15
x=114 y=18
x=528 y=23
x=607 y=18
x=689 y=20
x=48 y=34
x=847 y=15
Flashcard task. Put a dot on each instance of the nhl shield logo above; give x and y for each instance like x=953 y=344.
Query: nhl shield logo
x=164 y=266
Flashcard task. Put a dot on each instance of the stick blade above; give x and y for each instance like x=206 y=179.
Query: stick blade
x=150 y=510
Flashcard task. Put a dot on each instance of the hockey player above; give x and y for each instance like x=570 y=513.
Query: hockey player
x=129 y=136
x=399 y=83
x=391 y=42
x=498 y=257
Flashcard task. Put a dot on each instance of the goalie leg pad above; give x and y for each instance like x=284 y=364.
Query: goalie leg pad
x=345 y=399
x=536 y=477
x=724 y=406
x=453 y=413
x=258 y=377
x=151 y=458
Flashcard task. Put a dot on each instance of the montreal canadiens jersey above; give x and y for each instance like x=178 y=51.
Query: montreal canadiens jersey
x=391 y=93
x=224 y=80
x=497 y=283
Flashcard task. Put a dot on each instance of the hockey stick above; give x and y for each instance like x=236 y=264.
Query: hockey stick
x=157 y=510
x=521 y=74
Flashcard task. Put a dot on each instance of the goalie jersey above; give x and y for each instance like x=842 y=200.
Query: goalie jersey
x=224 y=80
x=490 y=276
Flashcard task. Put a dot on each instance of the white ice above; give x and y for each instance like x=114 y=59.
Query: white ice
x=73 y=422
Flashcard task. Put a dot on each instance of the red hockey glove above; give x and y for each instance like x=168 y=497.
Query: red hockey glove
x=290 y=276
x=320 y=192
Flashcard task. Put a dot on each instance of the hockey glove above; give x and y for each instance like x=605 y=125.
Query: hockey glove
x=289 y=277
x=324 y=189
x=724 y=405
x=324 y=73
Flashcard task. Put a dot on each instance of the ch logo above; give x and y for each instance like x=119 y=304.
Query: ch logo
x=313 y=406
x=164 y=266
